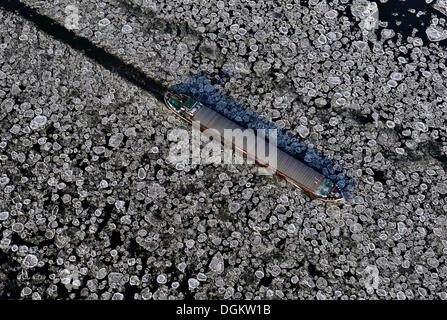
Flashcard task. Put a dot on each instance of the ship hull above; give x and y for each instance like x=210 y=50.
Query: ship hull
x=248 y=143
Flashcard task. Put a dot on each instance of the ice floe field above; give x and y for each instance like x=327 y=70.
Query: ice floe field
x=91 y=209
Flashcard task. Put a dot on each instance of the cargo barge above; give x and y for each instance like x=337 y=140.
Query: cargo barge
x=294 y=171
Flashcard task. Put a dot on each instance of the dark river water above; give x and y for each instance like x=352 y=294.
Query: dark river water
x=394 y=11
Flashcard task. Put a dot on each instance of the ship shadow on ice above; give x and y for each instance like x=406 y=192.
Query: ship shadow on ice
x=206 y=89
